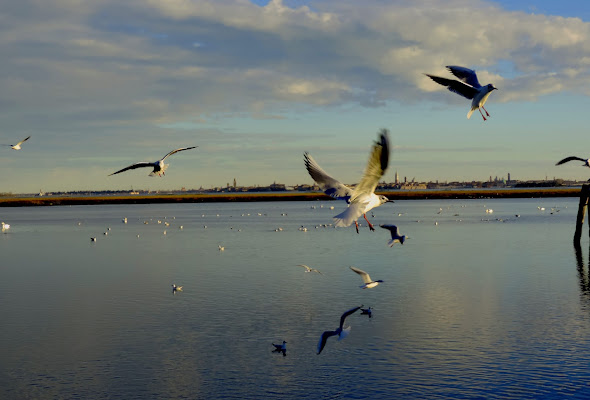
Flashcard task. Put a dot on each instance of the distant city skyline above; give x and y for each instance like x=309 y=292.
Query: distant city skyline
x=255 y=84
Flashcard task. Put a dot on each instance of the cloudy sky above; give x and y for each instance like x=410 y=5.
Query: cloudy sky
x=102 y=84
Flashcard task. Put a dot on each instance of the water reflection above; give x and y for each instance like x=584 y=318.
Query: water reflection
x=582 y=272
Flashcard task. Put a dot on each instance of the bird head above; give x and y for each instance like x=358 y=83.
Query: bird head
x=491 y=87
x=383 y=200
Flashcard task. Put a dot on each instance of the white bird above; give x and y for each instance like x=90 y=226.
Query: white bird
x=221 y=248
x=158 y=166
x=395 y=236
x=308 y=269
x=362 y=197
x=369 y=283
x=467 y=86
x=340 y=331
x=5 y=227
x=17 y=146
x=93 y=239
x=574 y=158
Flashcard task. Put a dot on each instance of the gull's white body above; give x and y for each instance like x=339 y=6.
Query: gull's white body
x=362 y=197
x=159 y=167
x=467 y=86
x=5 y=227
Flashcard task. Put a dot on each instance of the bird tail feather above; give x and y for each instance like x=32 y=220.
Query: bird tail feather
x=345 y=332
x=470 y=112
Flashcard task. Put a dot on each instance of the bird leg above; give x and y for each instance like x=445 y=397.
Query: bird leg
x=357 y=226
x=484 y=118
x=487 y=113
x=370 y=224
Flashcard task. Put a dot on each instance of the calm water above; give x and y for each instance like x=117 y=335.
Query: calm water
x=479 y=306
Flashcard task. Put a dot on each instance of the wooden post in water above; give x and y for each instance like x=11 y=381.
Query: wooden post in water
x=584 y=195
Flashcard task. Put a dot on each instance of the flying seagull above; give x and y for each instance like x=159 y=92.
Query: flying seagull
x=369 y=283
x=340 y=332
x=367 y=311
x=17 y=146
x=574 y=158
x=362 y=197
x=176 y=288
x=467 y=86
x=158 y=166
x=308 y=269
x=395 y=236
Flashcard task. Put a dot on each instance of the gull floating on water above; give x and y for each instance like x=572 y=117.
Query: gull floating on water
x=362 y=197
x=369 y=283
x=367 y=311
x=395 y=236
x=158 y=166
x=5 y=227
x=17 y=146
x=467 y=86
x=340 y=331
x=586 y=161
x=308 y=269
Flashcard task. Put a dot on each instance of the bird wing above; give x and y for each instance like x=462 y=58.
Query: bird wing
x=455 y=86
x=329 y=185
x=304 y=266
x=571 y=158
x=324 y=338
x=22 y=141
x=347 y=313
x=391 y=228
x=133 y=166
x=465 y=74
x=352 y=213
x=177 y=150
x=363 y=274
x=376 y=166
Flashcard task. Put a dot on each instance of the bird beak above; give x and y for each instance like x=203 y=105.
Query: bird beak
x=390 y=201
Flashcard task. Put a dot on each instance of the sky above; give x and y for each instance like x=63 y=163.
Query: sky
x=102 y=84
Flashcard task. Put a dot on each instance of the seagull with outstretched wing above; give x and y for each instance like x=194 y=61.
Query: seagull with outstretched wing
x=158 y=166
x=586 y=161
x=340 y=331
x=362 y=197
x=467 y=86
x=17 y=146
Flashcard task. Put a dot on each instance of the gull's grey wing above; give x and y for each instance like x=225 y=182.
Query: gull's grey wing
x=391 y=228
x=455 y=86
x=376 y=166
x=133 y=166
x=177 y=150
x=571 y=158
x=329 y=185
x=347 y=313
x=465 y=74
x=24 y=140
x=323 y=338
x=366 y=277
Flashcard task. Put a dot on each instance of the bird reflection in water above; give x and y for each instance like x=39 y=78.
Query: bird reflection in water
x=582 y=272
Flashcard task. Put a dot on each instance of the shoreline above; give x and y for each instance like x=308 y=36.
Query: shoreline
x=283 y=196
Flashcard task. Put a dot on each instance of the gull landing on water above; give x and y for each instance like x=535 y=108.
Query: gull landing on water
x=158 y=166
x=574 y=158
x=17 y=146
x=467 y=86
x=340 y=331
x=369 y=283
x=362 y=197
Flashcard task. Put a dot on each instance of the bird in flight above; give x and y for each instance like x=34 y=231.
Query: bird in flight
x=574 y=158
x=395 y=236
x=369 y=283
x=362 y=197
x=17 y=146
x=467 y=86
x=280 y=348
x=308 y=269
x=158 y=166
x=340 y=331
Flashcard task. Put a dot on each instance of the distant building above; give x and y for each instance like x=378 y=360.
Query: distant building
x=396 y=178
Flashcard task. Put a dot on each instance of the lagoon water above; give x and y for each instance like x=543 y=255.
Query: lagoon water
x=482 y=305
